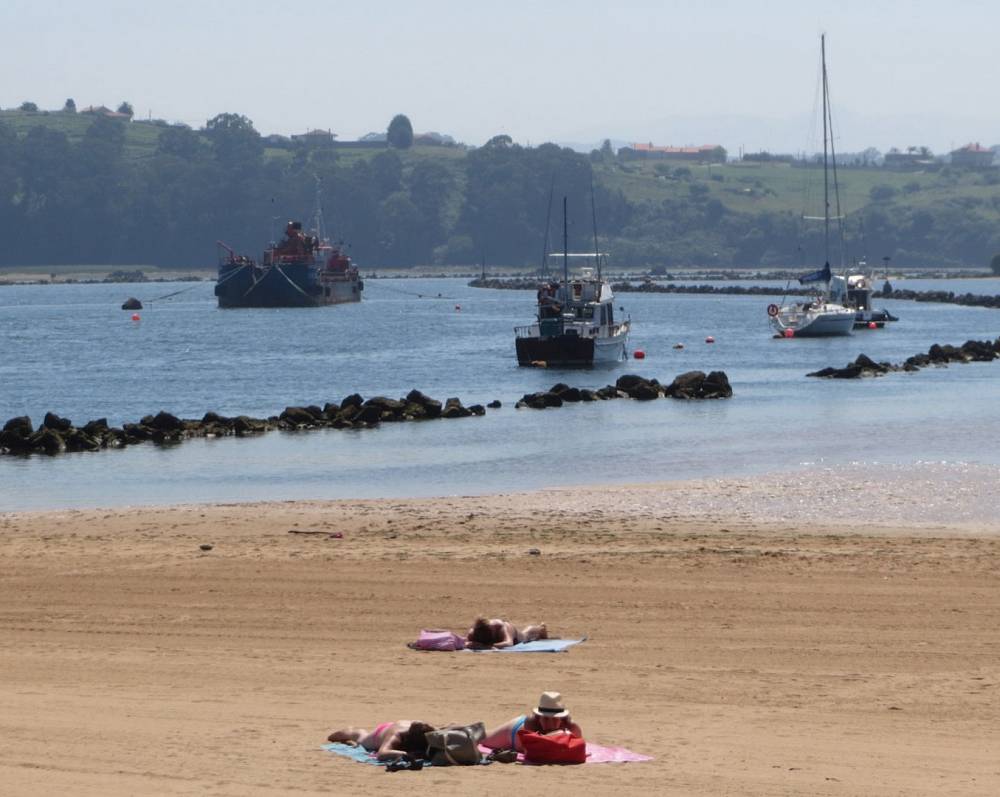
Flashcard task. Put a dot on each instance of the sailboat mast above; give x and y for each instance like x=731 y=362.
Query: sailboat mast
x=593 y=213
x=565 y=251
x=548 y=218
x=826 y=176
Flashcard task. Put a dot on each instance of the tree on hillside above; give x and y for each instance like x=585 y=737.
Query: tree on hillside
x=180 y=142
x=995 y=264
x=606 y=154
x=28 y=106
x=234 y=140
x=387 y=173
x=126 y=108
x=400 y=132
x=69 y=106
x=430 y=185
x=501 y=141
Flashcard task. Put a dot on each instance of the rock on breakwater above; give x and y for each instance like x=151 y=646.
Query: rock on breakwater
x=938 y=355
x=690 y=385
x=57 y=435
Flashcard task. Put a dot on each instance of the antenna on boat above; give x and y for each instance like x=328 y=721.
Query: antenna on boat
x=593 y=213
x=548 y=218
x=565 y=249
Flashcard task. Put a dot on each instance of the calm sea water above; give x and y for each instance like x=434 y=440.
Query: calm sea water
x=72 y=350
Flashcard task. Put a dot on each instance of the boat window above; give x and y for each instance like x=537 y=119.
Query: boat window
x=611 y=313
x=585 y=312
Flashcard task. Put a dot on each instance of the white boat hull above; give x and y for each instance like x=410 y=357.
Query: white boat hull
x=826 y=321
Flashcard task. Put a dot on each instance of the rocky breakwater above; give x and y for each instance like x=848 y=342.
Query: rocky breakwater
x=938 y=355
x=690 y=385
x=58 y=435
x=944 y=297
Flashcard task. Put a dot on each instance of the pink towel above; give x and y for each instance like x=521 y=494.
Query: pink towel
x=599 y=754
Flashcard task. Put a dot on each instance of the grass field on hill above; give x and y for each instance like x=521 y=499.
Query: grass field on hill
x=776 y=187
x=744 y=187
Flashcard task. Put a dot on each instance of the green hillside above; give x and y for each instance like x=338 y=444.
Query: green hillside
x=167 y=192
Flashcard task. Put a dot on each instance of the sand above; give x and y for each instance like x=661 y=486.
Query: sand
x=751 y=651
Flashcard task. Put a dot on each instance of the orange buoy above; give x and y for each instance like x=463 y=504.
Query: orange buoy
x=789 y=333
x=135 y=316
x=639 y=354
x=872 y=325
x=709 y=339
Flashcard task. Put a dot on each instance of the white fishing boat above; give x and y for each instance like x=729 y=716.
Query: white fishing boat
x=854 y=291
x=819 y=315
x=575 y=322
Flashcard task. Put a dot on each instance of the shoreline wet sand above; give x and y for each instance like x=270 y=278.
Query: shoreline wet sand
x=753 y=635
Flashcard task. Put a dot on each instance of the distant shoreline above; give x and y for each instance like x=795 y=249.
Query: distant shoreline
x=92 y=274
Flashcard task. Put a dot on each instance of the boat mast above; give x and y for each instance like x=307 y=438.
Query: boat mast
x=318 y=213
x=826 y=176
x=548 y=218
x=593 y=213
x=565 y=252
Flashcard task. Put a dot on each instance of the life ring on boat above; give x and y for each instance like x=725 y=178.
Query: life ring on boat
x=773 y=310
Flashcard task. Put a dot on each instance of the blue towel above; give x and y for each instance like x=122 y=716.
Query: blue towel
x=538 y=646
x=362 y=756
x=357 y=753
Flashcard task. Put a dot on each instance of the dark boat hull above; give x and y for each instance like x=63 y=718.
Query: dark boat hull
x=865 y=318
x=284 y=286
x=558 y=351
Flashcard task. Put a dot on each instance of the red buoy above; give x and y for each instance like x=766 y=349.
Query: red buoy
x=709 y=339
x=789 y=333
x=639 y=354
x=135 y=316
x=872 y=325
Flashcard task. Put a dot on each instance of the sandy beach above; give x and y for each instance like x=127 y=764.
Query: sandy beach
x=752 y=651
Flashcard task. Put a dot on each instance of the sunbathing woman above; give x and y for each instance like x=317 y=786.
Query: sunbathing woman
x=549 y=716
x=497 y=633
x=390 y=740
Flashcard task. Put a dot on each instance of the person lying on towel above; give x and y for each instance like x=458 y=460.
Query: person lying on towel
x=389 y=740
x=550 y=716
x=497 y=633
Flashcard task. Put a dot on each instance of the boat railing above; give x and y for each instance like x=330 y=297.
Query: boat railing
x=579 y=329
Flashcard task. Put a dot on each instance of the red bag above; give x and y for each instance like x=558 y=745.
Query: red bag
x=555 y=748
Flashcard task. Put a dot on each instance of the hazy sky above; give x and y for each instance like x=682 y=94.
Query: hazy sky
x=670 y=72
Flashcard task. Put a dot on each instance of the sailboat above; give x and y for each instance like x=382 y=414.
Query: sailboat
x=818 y=316
x=575 y=320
